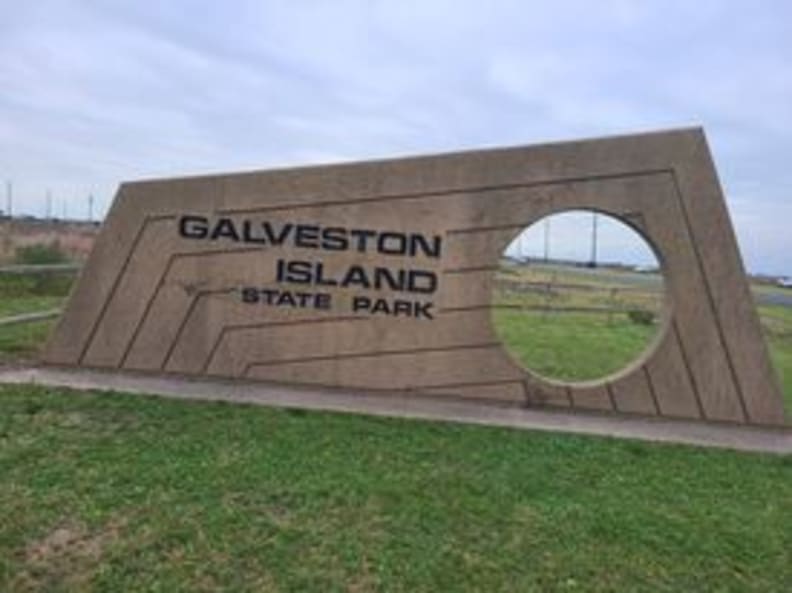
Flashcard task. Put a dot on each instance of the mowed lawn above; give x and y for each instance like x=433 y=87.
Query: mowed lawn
x=572 y=346
x=554 y=329
x=28 y=294
x=109 y=492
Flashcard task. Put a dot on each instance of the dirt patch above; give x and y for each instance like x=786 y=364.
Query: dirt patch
x=67 y=555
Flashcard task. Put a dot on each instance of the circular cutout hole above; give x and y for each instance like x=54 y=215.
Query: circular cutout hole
x=578 y=296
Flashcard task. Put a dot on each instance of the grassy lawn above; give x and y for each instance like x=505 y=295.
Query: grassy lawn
x=777 y=326
x=579 y=346
x=26 y=294
x=572 y=346
x=22 y=343
x=574 y=324
x=104 y=492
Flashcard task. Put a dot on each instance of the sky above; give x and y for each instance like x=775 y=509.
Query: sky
x=93 y=93
x=568 y=236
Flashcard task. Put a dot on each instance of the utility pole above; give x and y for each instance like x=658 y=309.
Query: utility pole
x=9 y=198
x=48 y=212
x=547 y=240
x=593 y=262
x=90 y=207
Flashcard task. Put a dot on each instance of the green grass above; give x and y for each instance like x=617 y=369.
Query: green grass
x=15 y=305
x=23 y=342
x=572 y=324
x=777 y=326
x=104 y=492
x=781 y=355
x=588 y=346
x=26 y=294
x=569 y=346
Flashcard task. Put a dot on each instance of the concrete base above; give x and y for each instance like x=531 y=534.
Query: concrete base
x=729 y=436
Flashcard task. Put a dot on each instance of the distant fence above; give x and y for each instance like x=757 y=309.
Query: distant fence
x=647 y=307
x=29 y=317
x=27 y=269
x=49 y=280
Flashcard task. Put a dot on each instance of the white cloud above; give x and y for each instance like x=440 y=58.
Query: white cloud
x=95 y=93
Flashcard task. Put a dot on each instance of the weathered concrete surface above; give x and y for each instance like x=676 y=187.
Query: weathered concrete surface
x=730 y=436
x=164 y=292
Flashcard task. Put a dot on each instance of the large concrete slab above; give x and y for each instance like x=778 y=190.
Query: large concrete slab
x=388 y=267
x=776 y=440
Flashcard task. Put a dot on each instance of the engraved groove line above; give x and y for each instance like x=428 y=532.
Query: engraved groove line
x=691 y=378
x=370 y=354
x=711 y=299
x=122 y=271
x=447 y=192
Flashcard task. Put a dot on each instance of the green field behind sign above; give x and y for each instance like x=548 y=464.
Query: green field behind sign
x=576 y=324
x=28 y=294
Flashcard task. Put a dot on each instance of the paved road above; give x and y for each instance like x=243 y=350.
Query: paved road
x=775 y=298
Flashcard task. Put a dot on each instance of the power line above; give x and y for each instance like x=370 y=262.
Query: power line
x=9 y=198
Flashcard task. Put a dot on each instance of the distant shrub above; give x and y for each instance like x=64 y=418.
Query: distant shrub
x=41 y=254
x=641 y=316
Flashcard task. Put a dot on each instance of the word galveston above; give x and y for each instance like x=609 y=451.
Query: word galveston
x=309 y=236
x=314 y=273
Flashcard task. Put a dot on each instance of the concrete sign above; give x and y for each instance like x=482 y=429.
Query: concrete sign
x=377 y=276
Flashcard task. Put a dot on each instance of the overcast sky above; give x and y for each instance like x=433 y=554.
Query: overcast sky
x=93 y=93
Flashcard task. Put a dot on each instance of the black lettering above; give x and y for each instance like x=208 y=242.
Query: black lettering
x=250 y=295
x=273 y=239
x=307 y=236
x=303 y=298
x=422 y=309
x=286 y=298
x=395 y=281
x=392 y=243
x=356 y=276
x=321 y=280
x=298 y=272
x=224 y=227
x=420 y=243
x=269 y=295
x=402 y=307
x=322 y=300
x=362 y=236
x=422 y=281
x=361 y=303
x=193 y=227
x=248 y=236
x=380 y=306
x=335 y=239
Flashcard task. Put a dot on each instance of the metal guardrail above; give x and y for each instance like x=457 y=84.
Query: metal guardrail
x=21 y=269
x=29 y=317
x=545 y=286
x=544 y=309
